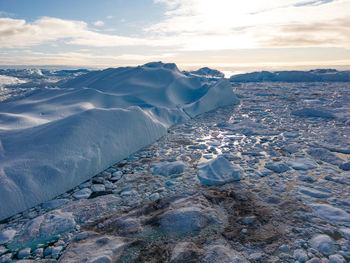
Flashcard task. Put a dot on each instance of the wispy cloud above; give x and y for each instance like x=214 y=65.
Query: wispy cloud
x=99 y=23
x=224 y=24
x=19 y=33
x=6 y=14
x=314 y=2
x=203 y=25
x=334 y=33
x=82 y=57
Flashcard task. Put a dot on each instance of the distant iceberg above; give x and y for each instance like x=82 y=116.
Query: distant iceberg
x=317 y=75
x=206 y=73
x=55 y=139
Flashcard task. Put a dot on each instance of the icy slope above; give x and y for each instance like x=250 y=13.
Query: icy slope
x=59 y=137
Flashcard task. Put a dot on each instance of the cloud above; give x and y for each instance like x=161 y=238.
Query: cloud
x=335 y=33
x=19 y=33
x=98 y=23
x=145 y=58
x=6 y=14
x=314 y=2
x=82 y=57
x=225 y=24
x=197 y=25
x=190 y=26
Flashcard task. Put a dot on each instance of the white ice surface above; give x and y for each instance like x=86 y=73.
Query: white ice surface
x=57 y=138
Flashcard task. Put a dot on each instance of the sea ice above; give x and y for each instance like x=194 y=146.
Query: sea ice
x=311 y=112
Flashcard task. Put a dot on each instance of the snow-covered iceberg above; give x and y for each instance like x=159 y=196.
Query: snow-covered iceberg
x=56 y=138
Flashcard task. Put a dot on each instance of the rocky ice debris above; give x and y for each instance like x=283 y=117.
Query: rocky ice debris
x=169 y=168
x=336 y=259
x=222 y=252
x=54 y=203
x=345 y=231
x=343 y=178
x=131 y=234
x=277 y=167
x=154 y=196
x=44 y=228
x=95 y=249
x=24 y=253
x=3 y=250
x=323 y=244
x=264 y=172
x=248 y=127
x=312 y=112
x=185 y=252
x=98 y=188
x=186 y=216
x=306 y=178
x=302 y=164
x=83 y=193
x=345 y=166
x=330 y=213
x=300 y=255
x=86 y=209
x=218 y=171
x=325 y=156
x=314 y=192
x=7 y=235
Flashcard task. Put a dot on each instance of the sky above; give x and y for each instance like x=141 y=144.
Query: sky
x=231 y=35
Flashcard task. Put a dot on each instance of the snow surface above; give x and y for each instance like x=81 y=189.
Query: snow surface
x=56 y=138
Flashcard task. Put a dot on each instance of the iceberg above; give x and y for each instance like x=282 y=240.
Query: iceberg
x=206 y=73
x=56 y=138
x=316 y=75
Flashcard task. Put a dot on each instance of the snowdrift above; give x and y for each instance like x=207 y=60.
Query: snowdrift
x=59 y=137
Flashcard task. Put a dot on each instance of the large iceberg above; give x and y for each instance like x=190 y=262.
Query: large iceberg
x=58 y=137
